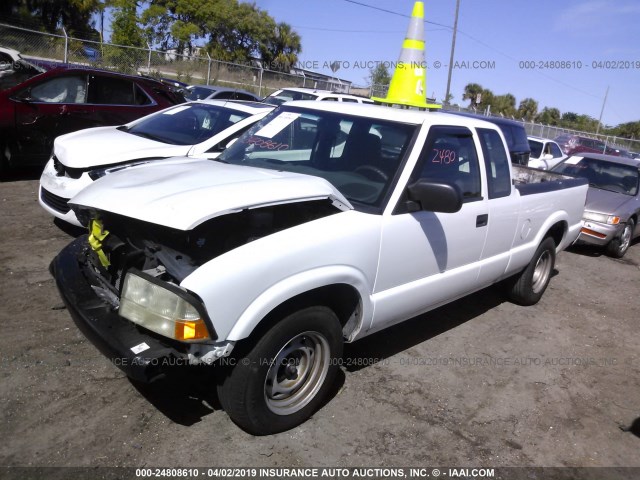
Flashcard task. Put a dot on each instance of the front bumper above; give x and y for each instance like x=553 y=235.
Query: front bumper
x=117 y=338
x=56 y=191
x=596 y=233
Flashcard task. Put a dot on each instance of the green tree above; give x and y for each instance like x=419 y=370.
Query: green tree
x=242 y=34
x=549 y=116
x=471 y=92
x=487 y=98
x=51 y=15
x=379 y=75
x=504 y=105
x=124 y=24
x=282 y=49
x=127 y=32
x=528 y=109
x=628 y=130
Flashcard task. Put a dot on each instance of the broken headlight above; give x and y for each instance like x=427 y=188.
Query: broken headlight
x=161 y=310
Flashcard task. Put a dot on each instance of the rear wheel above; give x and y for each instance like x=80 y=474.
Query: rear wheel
x=617 y=247
x=282 y=378
x=527 y=287
x=4 y=164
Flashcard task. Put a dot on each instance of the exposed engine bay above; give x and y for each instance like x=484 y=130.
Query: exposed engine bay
x=122 y=243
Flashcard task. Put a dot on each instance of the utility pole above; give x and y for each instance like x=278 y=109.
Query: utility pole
x=602 y=111
x=453 y=47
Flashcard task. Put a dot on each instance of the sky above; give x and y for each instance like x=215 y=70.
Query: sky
x=507 y=46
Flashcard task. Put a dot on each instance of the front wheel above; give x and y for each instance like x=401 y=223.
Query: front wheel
x=617 y=247
x=283 y=377
x=527 y=287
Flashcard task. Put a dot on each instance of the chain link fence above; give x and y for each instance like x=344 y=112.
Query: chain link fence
x=192 y=69
x=549 y=131
x=202 y=69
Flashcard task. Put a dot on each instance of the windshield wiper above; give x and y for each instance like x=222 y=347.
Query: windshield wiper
x=150 y=137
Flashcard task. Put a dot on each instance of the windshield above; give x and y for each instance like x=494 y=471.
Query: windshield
x=187 y=124
x=603 y=174
x=358 y=155
x=536 y=148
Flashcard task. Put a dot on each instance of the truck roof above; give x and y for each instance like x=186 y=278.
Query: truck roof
x=416 y=117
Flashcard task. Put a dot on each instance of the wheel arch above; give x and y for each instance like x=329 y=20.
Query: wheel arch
x=557 y=232
x=346 y=296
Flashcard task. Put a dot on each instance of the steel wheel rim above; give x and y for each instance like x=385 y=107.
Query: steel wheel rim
x=541 y=272
x=297 y=373
x=625 y=239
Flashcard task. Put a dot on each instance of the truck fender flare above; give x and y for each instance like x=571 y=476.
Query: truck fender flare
x=560 y=217
x=300 y=283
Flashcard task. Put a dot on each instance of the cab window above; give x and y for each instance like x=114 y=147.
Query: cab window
x=450 y=157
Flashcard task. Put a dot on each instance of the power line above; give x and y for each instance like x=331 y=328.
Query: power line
x=395 y=13
x=560 y=82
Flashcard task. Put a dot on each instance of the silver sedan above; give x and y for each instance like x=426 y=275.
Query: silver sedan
x=613 y=205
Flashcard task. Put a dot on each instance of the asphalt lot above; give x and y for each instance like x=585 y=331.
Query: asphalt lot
x=480 y=382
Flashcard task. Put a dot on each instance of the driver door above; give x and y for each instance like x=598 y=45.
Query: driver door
x=429 y=258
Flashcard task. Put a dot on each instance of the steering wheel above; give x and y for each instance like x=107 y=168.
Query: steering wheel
x=371 y=172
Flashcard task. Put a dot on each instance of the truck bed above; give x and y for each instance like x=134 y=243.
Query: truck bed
x=530 y=181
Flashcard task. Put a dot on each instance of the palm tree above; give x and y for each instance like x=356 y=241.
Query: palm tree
x=471 y=92
x=281 y=51
x=528 y=109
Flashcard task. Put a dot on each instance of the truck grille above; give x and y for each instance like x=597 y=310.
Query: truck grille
x=59 y=204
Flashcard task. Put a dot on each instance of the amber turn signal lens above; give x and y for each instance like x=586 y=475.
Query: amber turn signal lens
x=593 y=233
x=191 y=330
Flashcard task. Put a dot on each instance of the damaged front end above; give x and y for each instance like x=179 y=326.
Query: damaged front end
x=121 y=283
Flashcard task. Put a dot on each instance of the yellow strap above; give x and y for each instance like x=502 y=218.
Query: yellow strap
x=96 y=237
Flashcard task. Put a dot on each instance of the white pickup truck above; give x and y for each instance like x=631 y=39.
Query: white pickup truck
x=322 y=224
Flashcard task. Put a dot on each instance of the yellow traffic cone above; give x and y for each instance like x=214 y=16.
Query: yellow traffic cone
x=409 y=81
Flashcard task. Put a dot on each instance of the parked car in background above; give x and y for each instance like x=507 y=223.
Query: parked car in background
x=208 y=92
x=197 y=129
x=613 y=205
x=575 y=144
x=64 y=100
x=545 y=153
x=514 y=133
x=289 y=94
x=15 y=69
x=622 y=152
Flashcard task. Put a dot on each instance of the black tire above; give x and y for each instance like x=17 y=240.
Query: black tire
x=527 y=287
x=4 y=164
x=280 y=379
x=618 y=247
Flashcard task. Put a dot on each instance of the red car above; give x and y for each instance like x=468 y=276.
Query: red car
x=66 y=99
x=575 y=144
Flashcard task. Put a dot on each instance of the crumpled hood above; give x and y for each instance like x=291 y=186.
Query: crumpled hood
x=603 y=201
x=181 y=193
x=96 y=147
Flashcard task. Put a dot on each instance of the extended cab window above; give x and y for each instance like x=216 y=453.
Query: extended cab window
x=496 y=163
x=450 y=156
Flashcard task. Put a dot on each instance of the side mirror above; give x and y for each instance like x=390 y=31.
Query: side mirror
x=435 y=197
x=24 y=96
x=547 y=157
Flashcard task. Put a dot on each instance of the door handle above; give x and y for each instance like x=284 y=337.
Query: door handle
x=482 y=220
